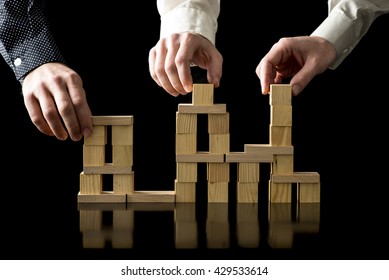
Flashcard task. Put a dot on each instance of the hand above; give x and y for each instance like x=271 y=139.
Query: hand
x=301 y=58
x=170 y=60
x=56 y=101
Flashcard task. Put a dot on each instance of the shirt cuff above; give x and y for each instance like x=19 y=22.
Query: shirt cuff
x=188 y=20
x=339 y=30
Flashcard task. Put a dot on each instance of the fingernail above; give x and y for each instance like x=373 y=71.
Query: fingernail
x=296 y=89
x=86 y=132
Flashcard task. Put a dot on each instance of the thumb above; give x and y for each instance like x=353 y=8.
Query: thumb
x=302 y=78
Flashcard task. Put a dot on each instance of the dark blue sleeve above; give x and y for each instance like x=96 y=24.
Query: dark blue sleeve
x=25 y=38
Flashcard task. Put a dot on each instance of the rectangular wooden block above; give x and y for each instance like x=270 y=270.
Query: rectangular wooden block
x=123 y=183
x=108 y=168
x=280 y=135
x=297 y=177
x=202 y=109
x=218 y=172
x=247 y=192
x=151 y=196
x=280 y=192
x=186 y=143
x=267 y=149
x=186 y=123
x=186 y=172
x=122 y=135
x=93 y=155
x=219 y=123
x=185 y=192
x=104 y=197
x=248 y=172
x=202 y=94
x=280 y=94
x=219 y=143
x=91 y=184
x=200 y=157
x=122 y=155
x=246 y=157
x=98 y=137
x=217 y=192
x=112 y=120
x=281 y=115
x=309 y=192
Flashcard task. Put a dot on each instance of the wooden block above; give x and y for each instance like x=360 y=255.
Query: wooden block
x=283 y=165
x=200 y=157
x=280 y=135
x=219 y=143
x=280 y=192
x=281 y=115
x=217 y=192
x=186 y=172
x=151 y=196
x=90 y=184
x=202 y=94
x=103 y=197
x=218 y=172
x=185 y=192
x=112 y=120
x=247 y=192
x=98 y=137
x=202 y=109
x=122 y=135
x=186 y=123
x=108 y=168
x=309 y=192
x=280 y=94
x=122 y=155
x=248 y=172
x=219 y=123
x=267 y=149
x=297 y=177
x=186 y=143
x=93 y=155
x=245 y=157
x=123 y=183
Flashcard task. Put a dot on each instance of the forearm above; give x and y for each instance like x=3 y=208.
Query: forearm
x=347 y=22
x=198 y=16
x=25 y=38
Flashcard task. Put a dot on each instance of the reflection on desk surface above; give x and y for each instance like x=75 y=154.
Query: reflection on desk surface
x=182 y=225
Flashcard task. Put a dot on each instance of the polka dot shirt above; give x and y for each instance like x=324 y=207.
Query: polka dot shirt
x=25 y=38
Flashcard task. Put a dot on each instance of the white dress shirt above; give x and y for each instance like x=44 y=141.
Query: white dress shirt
x=198 y=16
x=347 y=22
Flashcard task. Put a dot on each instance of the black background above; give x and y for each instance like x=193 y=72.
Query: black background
x=339 y=130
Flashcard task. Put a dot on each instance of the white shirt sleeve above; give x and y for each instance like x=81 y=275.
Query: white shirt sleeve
x=198 y=16
x=347 y=22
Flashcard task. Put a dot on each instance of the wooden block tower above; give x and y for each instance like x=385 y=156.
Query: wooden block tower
x=188 y=157
x=95 y=164
x=279 y=153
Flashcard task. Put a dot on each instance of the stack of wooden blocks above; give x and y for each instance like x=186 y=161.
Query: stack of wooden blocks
x=278 y=153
